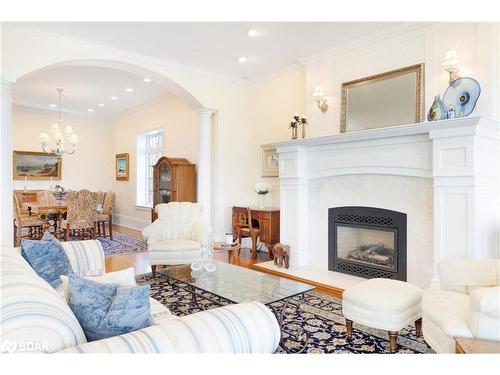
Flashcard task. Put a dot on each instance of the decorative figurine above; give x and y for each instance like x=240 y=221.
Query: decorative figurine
x=298 y=120
x=451 y=112
x=281 y=254
x=462 y=94
x=438 y=110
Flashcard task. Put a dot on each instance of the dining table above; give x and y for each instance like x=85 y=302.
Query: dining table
x=51 y=213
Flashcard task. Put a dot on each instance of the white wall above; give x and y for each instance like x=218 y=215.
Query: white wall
x=477 y=45
x=269 y=106
x=90 y=167
x=181 y=138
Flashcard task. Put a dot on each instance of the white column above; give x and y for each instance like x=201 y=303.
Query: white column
x=6 y=213
x=466 y=171
x=204 y=185
x=294 y=215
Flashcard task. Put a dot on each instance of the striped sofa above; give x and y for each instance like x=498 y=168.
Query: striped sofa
x=34 y=317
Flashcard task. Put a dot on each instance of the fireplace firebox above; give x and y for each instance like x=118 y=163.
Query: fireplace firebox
x=367 y=241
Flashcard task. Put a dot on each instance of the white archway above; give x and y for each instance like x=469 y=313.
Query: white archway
x=204 y=168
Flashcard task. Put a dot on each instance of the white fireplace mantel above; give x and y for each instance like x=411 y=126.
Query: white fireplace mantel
x=462 y=156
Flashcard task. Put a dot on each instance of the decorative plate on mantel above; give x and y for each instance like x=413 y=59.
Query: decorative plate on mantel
x=462 y=94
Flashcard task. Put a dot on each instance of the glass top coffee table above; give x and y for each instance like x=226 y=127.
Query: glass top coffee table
x=235 y=284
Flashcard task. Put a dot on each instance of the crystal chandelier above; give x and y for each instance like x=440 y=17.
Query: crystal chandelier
x=60 y=141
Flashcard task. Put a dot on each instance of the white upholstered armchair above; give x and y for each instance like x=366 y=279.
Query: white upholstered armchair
x=466 y=304
x=176 y=236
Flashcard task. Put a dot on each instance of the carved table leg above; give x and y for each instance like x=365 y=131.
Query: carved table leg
x=393 y=338
x=418 y=327
x=348 y=326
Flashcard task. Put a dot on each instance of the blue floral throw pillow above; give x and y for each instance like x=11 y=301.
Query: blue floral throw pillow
x=47 y=258
x=107 y=310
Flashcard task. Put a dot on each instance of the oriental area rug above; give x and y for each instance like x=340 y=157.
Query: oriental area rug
x=319 y=314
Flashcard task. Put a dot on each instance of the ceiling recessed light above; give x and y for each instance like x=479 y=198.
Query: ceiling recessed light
x=100 y=104
x=147 y=80
x=129 y=89
x=114 y=98
x=90 y=110
x=242 y=59
x=51 y=105
x=253 y=33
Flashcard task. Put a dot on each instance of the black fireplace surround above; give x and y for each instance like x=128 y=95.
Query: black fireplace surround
x=367 y=242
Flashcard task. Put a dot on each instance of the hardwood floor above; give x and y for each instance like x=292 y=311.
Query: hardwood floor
x=141 y=265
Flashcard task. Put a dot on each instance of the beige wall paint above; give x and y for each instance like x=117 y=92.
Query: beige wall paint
x=270 y=104
x=90 y=167
x=180 y=127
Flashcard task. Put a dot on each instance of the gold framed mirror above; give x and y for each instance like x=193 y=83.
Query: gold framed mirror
x=382 y=100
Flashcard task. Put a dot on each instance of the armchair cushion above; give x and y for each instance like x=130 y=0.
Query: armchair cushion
x=174 y=245
x=448 y=311
x=464 y=275
x=484 y=313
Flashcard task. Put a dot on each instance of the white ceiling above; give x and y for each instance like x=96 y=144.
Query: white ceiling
x=84 y=88
x=216 y=46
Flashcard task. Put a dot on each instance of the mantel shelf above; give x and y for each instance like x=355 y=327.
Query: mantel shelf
x=476 y=122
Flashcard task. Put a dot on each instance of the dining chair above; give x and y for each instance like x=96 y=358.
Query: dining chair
x=81 y=216
x=33 y=225
x=106 y=216
x=45 y=197
x=245 y=227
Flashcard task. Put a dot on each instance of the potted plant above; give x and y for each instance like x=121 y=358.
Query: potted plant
x=262 y=189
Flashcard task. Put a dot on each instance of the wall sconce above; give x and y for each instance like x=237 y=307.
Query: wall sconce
x=320 y=98
x=450 y=64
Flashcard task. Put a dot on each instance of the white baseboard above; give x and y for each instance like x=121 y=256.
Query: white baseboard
x=130 y=222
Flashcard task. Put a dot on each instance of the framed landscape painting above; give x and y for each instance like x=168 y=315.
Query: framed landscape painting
x=121 y=167
x=36 y=166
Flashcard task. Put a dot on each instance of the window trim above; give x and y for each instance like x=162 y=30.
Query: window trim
x=141 y=205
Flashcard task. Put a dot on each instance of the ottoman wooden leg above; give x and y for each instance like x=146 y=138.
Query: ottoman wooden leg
x=348 y=326
x=418 y=327
x=393 y=338
x=153 y=270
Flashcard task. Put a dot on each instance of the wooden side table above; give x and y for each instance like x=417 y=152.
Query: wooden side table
x=232 y=249
x=468 y=345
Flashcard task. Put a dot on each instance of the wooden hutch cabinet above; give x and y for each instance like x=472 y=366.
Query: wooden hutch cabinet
x=174 y=180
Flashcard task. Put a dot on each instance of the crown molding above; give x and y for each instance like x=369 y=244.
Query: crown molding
x=127 y=55
x=363 y=41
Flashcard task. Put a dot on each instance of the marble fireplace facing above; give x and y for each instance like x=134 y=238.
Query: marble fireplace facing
x=444 y=176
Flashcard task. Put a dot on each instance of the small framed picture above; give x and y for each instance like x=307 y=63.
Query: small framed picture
x=269 y=161
x=121 y=167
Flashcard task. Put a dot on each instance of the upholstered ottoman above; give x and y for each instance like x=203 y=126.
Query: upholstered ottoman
x=383 y=304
